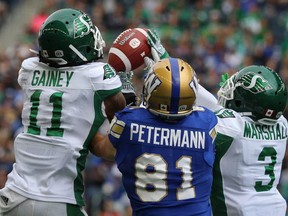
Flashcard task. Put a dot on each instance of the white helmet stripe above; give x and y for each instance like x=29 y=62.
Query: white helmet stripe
x=77 y=52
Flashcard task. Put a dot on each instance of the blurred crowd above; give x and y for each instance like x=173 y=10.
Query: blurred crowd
x=6 y=8
x=215 y=37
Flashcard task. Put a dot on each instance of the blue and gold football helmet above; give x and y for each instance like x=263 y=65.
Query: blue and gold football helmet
x=170 y=89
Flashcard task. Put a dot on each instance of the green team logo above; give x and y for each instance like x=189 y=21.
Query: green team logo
x=82 y=26
x=224 y=113
x=108 y=72
x=254 y=83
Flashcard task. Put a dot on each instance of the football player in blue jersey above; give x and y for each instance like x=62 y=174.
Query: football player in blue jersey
x=164 y=148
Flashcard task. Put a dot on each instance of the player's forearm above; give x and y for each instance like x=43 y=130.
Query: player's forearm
x=114 y=104
x=102 y=147
x=206 y=99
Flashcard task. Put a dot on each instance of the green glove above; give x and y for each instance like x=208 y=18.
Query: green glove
x=154 y=41
x=224 y=77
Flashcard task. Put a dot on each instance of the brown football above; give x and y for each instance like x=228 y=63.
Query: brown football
x=129 y=49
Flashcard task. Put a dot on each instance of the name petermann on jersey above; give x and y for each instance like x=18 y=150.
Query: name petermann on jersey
x=167 y=136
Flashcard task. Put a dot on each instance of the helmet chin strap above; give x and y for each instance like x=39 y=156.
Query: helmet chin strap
x=77 y=52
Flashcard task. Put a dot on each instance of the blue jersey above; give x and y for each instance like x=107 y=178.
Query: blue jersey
x=166 y=167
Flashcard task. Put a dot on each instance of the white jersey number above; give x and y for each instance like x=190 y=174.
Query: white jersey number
x=151 y=173
x=55 y=129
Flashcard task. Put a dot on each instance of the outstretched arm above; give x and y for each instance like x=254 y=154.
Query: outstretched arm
x=114 y=104
x=100 y=144
x=102 y=147
x=206 y=99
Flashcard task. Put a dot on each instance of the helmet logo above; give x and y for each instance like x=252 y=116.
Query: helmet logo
x=194 y=84
x=254 y=83
x=82 y=26
x=151 y=83
x=59 y=53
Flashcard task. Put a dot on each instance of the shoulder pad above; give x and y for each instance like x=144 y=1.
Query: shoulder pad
x=29 y=63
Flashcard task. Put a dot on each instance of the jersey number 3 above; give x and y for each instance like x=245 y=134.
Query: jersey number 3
x=55 y=129
x=269 y=169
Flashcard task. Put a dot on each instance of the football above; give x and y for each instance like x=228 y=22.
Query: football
x=129 y=49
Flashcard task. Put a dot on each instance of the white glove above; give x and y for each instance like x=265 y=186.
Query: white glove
x=149 y=65
x=126 y=79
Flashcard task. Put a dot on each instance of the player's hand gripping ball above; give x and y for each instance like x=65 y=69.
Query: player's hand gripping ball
x=129 y=49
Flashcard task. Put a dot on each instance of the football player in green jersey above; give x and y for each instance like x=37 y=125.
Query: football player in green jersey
x=250 y=144
x=68 y=94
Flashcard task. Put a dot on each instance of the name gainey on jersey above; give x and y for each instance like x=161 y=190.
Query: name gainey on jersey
x=265 y=132
x=51 y=78
x=167 y=136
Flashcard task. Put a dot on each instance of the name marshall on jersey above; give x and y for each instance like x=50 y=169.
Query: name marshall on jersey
x=265 y=132
x=51 y=78
x=167 y=136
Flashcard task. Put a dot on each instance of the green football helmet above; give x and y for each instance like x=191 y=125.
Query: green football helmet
x=255 y=91
x=68 y=38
